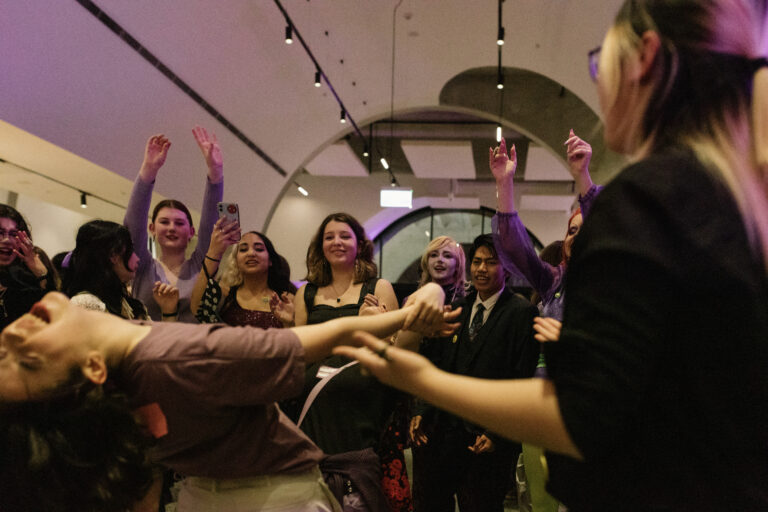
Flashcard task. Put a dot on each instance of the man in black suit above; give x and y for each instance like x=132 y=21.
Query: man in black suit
x=495 y=341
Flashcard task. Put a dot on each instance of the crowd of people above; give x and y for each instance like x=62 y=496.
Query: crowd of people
x=638 y=365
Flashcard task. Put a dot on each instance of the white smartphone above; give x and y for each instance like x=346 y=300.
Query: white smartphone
x=229 y=211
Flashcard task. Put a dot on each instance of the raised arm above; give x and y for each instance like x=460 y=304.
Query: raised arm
x=137 y=212
x=524 y=410
x=214 y=190
x=511 y=239
x=224 y=235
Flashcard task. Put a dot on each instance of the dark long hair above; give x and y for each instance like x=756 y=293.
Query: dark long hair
x=319 y=270
x=16 y=274
x=75 y=451
x=90 y=268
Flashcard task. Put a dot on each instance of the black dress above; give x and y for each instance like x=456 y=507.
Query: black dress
x=353 y=411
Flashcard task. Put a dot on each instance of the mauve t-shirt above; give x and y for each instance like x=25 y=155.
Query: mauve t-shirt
x=208 y=393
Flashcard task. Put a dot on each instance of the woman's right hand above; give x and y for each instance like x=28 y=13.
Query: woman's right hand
x=154 y=157
x=224 y=234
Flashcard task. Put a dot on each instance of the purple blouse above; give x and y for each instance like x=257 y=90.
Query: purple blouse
x=517 y=255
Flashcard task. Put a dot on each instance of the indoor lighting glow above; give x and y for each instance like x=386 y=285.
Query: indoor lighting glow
x=343 y=118
x=288 y=35
x=302 y=190
x=365 y=153
x=384 y=163
x=498 y=133
x=500 y=40
x=396 y=197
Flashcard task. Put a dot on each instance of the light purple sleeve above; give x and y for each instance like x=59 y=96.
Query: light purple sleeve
x=208 y=217
x=517 y=254
x=135 y=219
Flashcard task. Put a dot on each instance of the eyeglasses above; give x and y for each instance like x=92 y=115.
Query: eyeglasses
x=13 y=233
x=594 y=58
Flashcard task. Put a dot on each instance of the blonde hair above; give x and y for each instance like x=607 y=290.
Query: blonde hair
x=459 y=276
x=708 y=60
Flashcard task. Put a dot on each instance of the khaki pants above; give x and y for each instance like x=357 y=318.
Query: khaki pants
x=285 y=493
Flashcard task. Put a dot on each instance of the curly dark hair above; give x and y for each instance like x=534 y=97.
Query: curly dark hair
x=318 y=268
x=90 y=268
x=81 y=450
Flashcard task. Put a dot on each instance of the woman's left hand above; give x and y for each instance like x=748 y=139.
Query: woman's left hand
x=283 y=307
x=25 y=251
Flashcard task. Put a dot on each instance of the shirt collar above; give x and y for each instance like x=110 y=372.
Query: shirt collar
x=489 y=302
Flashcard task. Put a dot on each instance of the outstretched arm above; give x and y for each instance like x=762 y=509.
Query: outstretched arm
x=524 y=410
x=224 y=235
x=579 y=154
x=425 y=314
x=503 y=166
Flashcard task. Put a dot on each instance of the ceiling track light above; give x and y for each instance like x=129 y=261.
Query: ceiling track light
x=317 y=79
x=500 y=38
x=343 y=117
x=83 y=200
x=384 y=163
x=500 y=83
x=288 y=34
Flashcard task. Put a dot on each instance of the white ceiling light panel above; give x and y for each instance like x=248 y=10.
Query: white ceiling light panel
x=440 y=159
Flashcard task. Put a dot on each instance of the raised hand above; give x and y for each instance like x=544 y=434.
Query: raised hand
x=155 y=154
x=25 y=251
x=167 y=297
x=547 y=329
x=502 y=165
x=209 y=146
x=579 y=154
x=283 y=307
x=224 y=234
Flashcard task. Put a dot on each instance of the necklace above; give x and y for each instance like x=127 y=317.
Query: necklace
x=340 y=295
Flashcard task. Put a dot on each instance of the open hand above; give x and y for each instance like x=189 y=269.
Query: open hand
x=223 y=235
x=209 y=146
x=502 y=165
x=155 y=154
x=283 y=307
x=25 y=251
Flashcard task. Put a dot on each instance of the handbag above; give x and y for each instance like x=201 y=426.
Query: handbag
x=208 y=310
x=354 y=477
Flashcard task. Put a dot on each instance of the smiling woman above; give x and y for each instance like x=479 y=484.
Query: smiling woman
x=23 y=276
x=254 y=288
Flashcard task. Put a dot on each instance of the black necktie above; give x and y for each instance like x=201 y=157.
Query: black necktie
x=477 y=322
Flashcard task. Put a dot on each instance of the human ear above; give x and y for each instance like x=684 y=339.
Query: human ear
x=95 y=369
x=151 y=228
x=650 y=43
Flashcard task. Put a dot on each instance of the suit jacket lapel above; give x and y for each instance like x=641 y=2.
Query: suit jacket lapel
x=487 y=327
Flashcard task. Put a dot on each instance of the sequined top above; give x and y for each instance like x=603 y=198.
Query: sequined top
x=234 y=314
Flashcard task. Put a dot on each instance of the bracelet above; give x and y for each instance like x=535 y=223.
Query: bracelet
x=169 y=315
x=212 y=259
x=42 y=277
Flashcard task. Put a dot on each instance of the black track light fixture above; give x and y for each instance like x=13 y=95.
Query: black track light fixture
x=288 y=34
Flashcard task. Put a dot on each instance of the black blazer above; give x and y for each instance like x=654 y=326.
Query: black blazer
x=504 y=348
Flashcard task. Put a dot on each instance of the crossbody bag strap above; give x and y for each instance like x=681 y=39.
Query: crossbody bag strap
x=316 y=390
